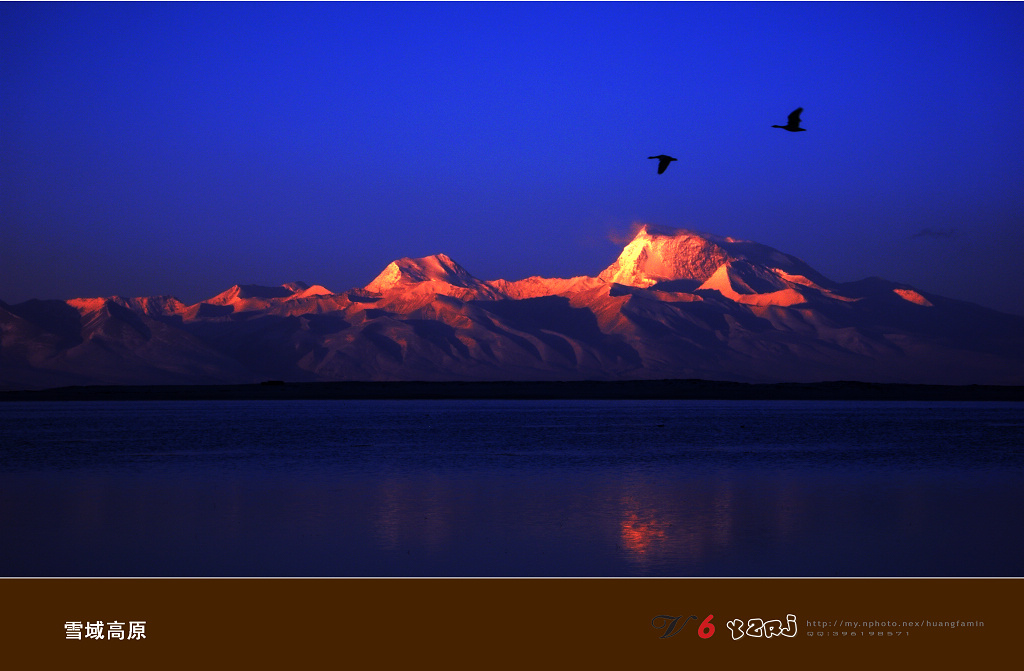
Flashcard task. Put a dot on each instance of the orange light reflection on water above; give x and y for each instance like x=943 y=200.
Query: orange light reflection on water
x=682 y=529
x=641 y=531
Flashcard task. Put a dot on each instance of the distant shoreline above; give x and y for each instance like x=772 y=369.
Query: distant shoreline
x=528 y=390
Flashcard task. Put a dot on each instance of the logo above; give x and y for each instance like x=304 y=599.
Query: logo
x=671 y=625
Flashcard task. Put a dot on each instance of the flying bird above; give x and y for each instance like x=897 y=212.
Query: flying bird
x=793 y=125
x=663 y=161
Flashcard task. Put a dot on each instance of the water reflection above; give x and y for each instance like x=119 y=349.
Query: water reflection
x=681 y=526
x=430 y=524
x=642 y=531
x=566 y=490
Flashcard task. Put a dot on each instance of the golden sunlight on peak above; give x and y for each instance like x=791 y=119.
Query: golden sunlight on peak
x=87 y=304
x=315 y=290
x=913 y=297
x=722 y=282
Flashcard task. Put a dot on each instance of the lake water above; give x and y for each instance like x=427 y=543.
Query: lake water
x=511 y=488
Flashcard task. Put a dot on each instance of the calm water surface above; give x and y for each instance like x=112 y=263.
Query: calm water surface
x=511 y=488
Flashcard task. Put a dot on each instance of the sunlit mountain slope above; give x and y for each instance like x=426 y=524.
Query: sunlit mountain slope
x=674 y=304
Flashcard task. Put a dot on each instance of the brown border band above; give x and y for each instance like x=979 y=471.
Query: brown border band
x=511 y=623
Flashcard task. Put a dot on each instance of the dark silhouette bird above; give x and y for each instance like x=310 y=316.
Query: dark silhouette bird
x=793 y=125
x=663 y=161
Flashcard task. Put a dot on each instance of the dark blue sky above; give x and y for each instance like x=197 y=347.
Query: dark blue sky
x=182 y=148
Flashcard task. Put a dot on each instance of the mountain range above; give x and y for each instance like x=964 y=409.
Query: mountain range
x=675 y=304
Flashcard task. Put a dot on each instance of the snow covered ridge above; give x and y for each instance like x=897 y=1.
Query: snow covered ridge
x=674 y=304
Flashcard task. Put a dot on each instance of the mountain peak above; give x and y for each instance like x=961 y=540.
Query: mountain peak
x=437 y=267
x=303 y=290
x=660 y=254
x=242 y=292
x=250 y=296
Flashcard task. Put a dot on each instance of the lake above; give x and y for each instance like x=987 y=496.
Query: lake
x=511 y=488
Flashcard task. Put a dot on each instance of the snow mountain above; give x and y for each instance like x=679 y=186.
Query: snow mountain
x=674 y=304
